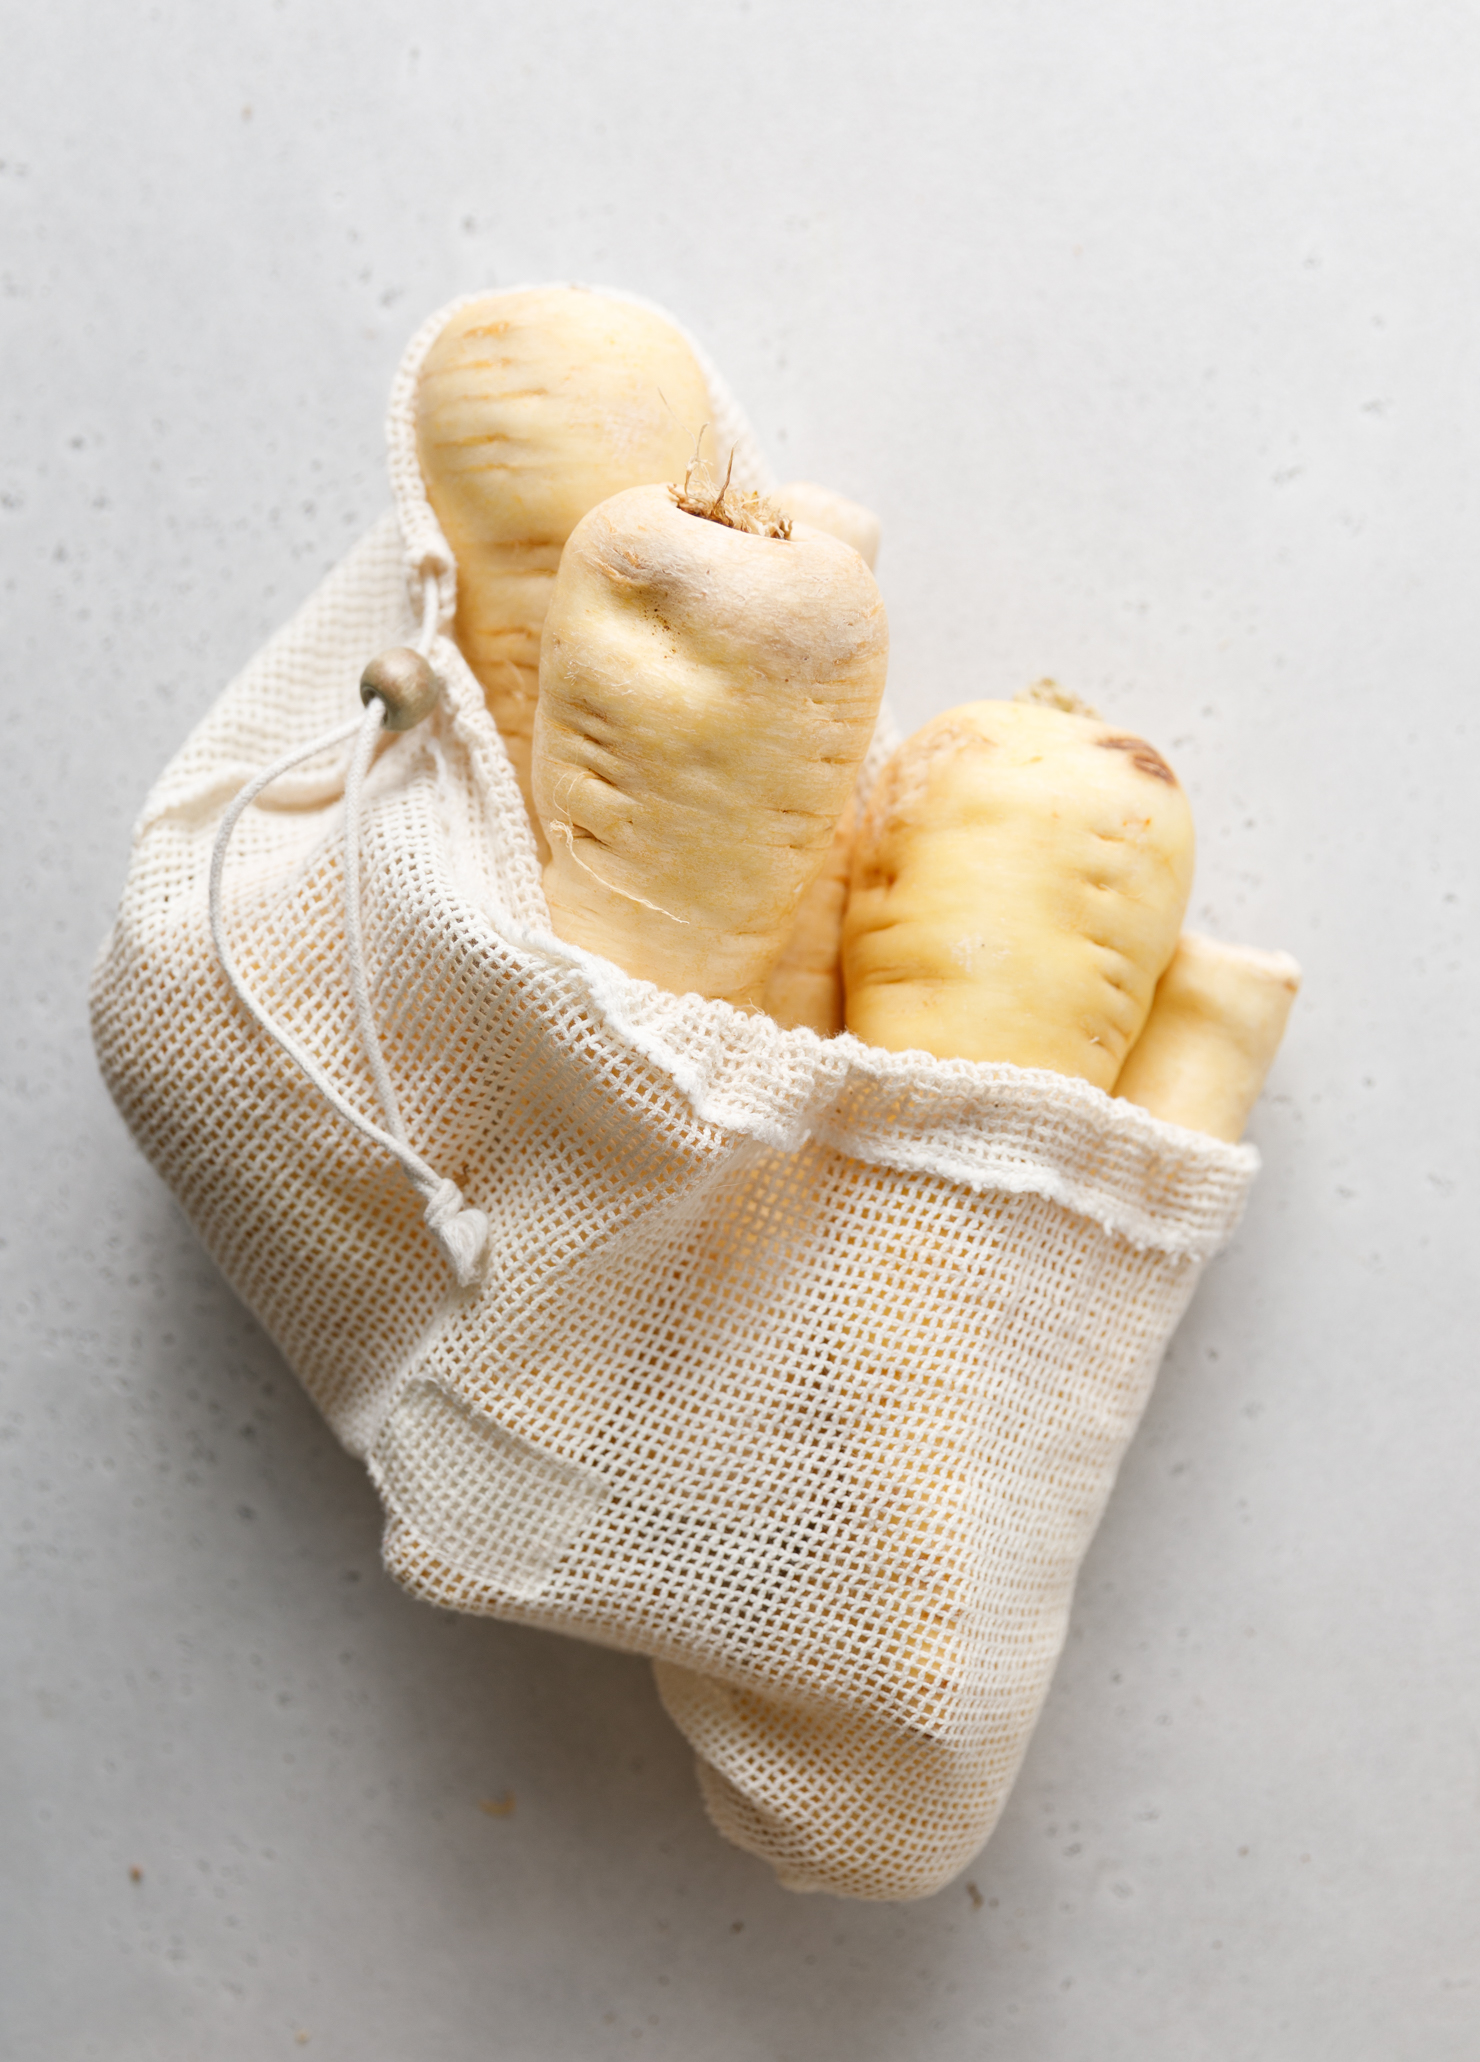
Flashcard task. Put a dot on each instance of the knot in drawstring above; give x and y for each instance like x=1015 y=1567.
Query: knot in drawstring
x=459 y=1229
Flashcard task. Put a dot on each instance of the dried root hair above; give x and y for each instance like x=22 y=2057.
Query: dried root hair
x=1047 y=694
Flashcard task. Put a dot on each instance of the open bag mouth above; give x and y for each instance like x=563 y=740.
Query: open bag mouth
x=803 y=1367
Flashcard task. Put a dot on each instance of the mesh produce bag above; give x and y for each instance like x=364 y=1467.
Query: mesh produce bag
x=802 y=1367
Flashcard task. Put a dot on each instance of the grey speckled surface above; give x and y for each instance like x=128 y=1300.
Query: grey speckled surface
x=1151 y=333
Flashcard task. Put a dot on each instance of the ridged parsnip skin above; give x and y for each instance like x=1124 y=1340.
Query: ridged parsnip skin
x=706 y=698
x=1019 y=880
x=805 y=502
x=531 y=408
x=1215 y=1026
x=806 y=984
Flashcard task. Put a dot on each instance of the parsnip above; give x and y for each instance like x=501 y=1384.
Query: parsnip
x=706 y=697
x=1018 y=884
x=531 y=408
x=1214 y=1027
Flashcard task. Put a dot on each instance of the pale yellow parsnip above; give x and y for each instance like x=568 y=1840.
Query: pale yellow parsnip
x=706 y=698
x=1214 y=1028
x=1019 y=877
x=1018 y=884
x=532 y=407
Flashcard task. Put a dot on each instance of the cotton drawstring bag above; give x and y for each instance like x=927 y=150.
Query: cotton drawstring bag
x=801 y=1367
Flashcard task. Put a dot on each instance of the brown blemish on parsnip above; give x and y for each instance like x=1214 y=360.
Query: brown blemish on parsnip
x=1142 y=756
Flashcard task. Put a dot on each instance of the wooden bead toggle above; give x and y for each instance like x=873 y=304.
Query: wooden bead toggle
x=405 y=683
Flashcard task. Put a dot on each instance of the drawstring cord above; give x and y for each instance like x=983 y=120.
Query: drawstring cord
x=398 y=690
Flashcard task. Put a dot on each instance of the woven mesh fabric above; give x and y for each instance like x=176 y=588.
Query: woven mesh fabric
x=802 y=1367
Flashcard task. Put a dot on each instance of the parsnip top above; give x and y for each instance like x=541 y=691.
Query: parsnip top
x=1018 y=884
x=706 y=696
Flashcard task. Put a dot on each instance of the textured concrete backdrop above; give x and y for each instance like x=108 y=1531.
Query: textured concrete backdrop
x=1150 y=330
